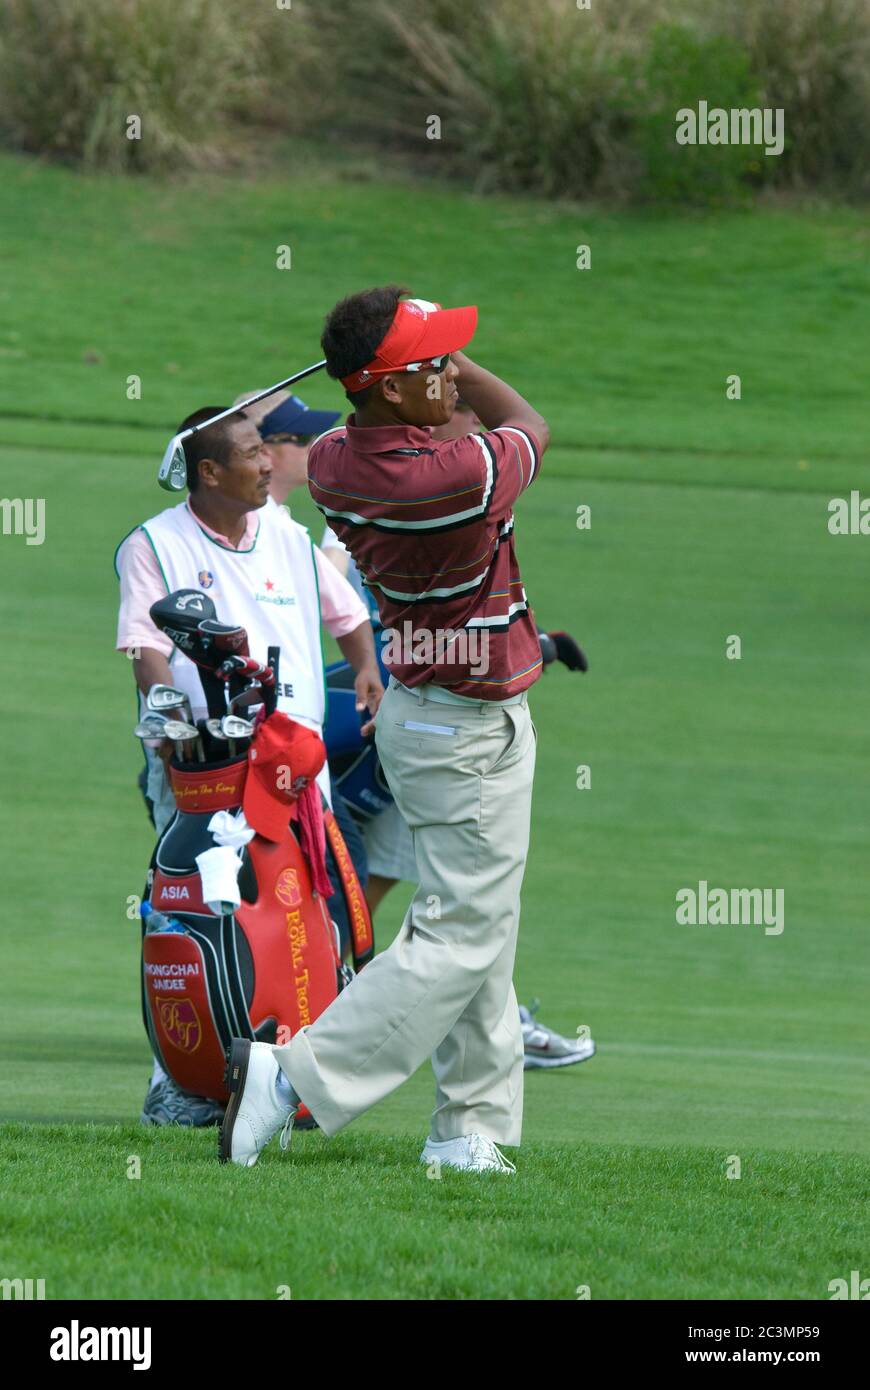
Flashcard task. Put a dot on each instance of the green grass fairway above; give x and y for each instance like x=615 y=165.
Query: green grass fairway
x=709 y=519
x=357 y=1218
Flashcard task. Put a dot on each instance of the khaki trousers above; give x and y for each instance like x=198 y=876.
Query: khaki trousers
x=463 y=783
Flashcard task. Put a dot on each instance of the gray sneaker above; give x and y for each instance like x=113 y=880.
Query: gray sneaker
x=165 y=1104
x=544 y=1048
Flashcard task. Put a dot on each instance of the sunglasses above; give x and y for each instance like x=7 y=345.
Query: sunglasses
x=301 y=440
x=433 y=364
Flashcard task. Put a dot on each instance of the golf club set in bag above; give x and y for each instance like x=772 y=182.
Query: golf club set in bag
x=237 y=936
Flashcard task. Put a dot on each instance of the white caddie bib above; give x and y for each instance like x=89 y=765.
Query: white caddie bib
x=269 y=589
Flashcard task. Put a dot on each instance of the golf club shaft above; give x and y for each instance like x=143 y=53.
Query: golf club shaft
x=214 y=691
x=252 y=400
x=270 y=693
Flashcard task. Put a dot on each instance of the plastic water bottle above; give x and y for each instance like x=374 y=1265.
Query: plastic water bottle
x=156 y=921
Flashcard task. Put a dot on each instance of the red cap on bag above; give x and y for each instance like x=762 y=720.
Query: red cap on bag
x=420 y=331
x=284 y=758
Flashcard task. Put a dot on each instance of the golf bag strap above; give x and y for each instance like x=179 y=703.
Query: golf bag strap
x=361 y=931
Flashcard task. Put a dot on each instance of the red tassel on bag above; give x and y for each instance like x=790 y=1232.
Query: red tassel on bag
x=312 y=837
x=279 y=744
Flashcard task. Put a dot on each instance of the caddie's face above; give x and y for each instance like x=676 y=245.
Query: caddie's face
x=423 y=398
x=244 y=480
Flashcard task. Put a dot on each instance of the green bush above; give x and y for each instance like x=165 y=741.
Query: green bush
x=526 y=94
x=681 y=68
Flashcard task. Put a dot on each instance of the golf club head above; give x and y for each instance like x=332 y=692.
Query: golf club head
x=162 y=697
x=213 y=727
x=252 y=694
x=172 y=474
x=234 y=727
x=179 y=730
x=152 y=726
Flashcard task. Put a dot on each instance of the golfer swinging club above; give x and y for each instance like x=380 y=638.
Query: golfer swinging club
x=430 y=525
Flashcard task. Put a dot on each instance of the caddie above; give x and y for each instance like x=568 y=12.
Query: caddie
x=262 y=571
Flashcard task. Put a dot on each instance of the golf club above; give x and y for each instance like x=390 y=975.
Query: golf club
x=181 y=733
x=236 y=728
x=169 y=704
x=153 y=725
x=270 y=697
x=216 y=736
x=172 y=474
x=173 y=711
x=166 y=697
x=189 y=621
x=240 y=700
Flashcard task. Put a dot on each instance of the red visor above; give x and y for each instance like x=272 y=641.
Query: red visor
x=420 y=331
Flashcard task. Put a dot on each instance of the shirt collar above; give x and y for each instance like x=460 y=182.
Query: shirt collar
x=384 y=439
x=251 y=525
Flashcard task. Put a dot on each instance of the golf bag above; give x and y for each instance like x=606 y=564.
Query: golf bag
x=272 y=965
x=262 y=972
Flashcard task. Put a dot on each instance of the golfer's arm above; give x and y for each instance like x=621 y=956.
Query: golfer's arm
x=151 y=668
x=358 y=647
x=495 y=402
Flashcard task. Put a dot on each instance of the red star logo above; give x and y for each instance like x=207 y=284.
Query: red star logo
x=269 y=585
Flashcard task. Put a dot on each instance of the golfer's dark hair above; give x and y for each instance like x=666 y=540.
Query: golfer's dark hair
x=214 y=443
x=354 y=331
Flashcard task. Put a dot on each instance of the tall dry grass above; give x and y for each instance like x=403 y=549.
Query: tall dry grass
x=532 y=95
x=546 y=97
x=73 y=71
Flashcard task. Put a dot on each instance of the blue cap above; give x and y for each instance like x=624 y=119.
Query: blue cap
x=294 y=417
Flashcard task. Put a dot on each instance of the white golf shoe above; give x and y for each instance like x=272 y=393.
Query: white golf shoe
x=255 y=1111
x=472 y=1153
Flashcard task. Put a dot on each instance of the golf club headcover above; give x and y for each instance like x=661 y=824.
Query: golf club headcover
x=179 y=615
x=189 y=620
x=225 y=636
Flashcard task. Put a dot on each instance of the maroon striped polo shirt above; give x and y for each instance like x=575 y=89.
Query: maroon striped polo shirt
x=430 y=525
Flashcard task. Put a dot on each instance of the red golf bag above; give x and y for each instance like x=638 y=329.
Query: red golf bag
x=262 y=972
